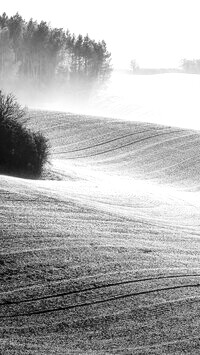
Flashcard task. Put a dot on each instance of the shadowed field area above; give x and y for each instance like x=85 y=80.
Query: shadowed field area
x=102 y=256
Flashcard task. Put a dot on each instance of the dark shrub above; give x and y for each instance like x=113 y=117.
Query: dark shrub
x=22 y=152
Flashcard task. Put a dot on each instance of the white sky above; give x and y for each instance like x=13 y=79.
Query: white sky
x=157 y=33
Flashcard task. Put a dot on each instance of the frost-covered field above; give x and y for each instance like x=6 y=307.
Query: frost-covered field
x=103 y=257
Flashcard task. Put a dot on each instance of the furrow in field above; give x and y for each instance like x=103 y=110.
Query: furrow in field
x=101 y=301
x=101 y=143
x=121 y=147
x=96 y=287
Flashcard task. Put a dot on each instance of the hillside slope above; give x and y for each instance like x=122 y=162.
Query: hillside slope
x=102 y=257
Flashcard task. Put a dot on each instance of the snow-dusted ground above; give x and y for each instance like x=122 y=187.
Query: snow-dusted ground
x=103 y=256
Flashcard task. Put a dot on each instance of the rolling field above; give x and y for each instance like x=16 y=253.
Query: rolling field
x=102 y=255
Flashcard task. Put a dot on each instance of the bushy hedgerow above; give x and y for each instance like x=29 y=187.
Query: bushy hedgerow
x=22 y=152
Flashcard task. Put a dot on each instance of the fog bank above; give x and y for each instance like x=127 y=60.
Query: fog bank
x=169 y=99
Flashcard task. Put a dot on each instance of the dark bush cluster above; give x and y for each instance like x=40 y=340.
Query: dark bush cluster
x=22 y=152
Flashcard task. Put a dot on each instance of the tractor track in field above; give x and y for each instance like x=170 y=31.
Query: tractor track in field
x=116 y=148
x=122 y=137
x=97 y=287
x=91 y=303
x=108 y=141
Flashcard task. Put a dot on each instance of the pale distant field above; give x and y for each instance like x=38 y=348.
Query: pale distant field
x=168 y=99
x=103 y=255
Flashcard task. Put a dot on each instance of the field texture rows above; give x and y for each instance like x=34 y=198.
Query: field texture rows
x=102 y=255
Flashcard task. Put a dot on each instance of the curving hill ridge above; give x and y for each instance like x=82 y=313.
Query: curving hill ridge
x=102 y=257
x=142 y=150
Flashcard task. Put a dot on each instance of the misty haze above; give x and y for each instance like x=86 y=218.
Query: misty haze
x=99 y=177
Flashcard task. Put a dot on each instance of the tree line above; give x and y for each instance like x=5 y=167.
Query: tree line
x=43 y=55
x=191 y=66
